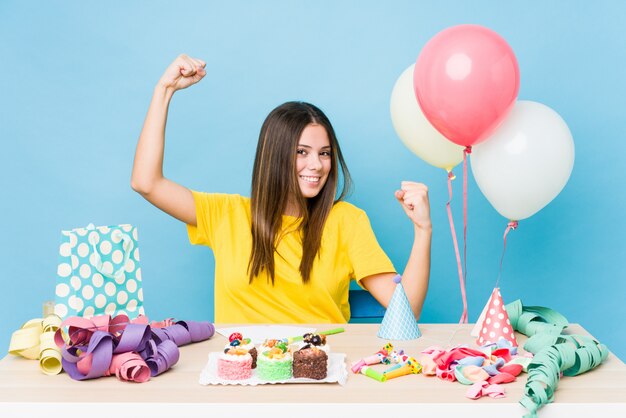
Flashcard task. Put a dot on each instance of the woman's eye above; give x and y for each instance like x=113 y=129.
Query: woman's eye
x=301 y=151
x=325 y=153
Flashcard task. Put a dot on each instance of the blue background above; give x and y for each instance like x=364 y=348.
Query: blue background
x=75 y=83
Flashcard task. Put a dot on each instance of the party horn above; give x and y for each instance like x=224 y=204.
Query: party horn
x=378 y=358
x=410 y=367
x=399 y=358
x=368 y=371
x=328 y=332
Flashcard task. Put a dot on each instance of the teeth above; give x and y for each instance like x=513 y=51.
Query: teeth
x=310 y=179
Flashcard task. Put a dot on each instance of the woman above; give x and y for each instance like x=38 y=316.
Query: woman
x=287 y=253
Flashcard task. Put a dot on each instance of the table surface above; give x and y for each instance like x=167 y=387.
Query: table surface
x=22 y=381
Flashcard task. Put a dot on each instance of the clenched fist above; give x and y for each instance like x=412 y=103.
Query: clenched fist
x=182 y=73
x=413 y=198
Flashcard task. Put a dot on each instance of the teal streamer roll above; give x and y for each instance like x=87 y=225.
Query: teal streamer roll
x=554 y=352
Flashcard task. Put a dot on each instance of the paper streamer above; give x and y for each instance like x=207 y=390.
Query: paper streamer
x=132 y=350
x=555 y=353
x=35 y=341
x=129 y=367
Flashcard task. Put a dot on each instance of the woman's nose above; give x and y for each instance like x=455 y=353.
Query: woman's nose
x=314 y=162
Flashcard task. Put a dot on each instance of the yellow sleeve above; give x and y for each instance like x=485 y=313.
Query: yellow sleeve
x=210 y=210
x=366 y=255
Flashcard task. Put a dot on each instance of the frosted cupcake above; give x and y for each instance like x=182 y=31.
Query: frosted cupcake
x=274 y=361
x=234 y=364
x=314 y=340
x=311 y=360
x=236 y=340
x=271 y=343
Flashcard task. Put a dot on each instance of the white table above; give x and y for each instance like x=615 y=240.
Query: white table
x=26 y=391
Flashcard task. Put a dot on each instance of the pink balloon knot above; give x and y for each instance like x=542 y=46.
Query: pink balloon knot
x=451 y=175
x=468 y=149
x=512 y=224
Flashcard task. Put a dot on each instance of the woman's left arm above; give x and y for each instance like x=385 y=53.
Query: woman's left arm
x=413 y=198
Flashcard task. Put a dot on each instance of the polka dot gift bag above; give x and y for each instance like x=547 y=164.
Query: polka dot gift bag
x=99 y=272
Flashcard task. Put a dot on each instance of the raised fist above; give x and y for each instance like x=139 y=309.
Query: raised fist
x=183 y=72
x=413 y=198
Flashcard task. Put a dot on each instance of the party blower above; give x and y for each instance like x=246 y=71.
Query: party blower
x=411 y=366
x=379 y=358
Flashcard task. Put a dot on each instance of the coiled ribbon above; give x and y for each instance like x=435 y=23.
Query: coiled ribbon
x=555 y=353
x=131 y=350
x=35 y=341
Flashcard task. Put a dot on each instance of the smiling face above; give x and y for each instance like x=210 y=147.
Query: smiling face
x=297 y=170
x=313 y=160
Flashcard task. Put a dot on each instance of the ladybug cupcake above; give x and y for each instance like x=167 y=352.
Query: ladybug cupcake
x=236 y=340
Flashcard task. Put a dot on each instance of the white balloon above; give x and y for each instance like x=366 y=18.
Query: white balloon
x=415 y=130
x=526 y=162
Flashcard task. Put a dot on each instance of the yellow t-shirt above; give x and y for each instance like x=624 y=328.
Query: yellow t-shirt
x=349 y=250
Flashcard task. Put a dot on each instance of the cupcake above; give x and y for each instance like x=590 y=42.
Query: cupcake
x=234 y=364
x=274 y=361
x=237 y=340
x=316 y=340
x=271 y=343
x=311 y=360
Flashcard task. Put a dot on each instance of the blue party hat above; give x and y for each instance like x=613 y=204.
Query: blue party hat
x=399 y=322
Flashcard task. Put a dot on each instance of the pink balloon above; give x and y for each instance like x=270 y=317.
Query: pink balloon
x=466 y=80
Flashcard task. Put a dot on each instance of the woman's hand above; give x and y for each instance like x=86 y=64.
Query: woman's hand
x=413 y=198
x=182 y=73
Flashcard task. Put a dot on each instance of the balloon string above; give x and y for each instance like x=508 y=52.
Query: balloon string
x=463 y=319
x=466 y=152
x=511 y=225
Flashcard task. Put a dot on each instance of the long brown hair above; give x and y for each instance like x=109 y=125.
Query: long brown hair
x=274 y=183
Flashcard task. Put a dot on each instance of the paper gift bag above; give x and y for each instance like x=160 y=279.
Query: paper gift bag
x=99 y=272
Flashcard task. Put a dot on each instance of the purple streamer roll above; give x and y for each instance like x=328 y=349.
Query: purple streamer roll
x=134 y=338
x=158 y=347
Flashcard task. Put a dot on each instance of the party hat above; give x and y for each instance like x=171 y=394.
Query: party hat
x=399 y=322
x=494 y=322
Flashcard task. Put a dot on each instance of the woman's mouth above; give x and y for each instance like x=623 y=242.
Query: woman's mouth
x=311 y=179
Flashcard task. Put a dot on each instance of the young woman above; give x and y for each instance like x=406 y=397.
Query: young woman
x=287 y=253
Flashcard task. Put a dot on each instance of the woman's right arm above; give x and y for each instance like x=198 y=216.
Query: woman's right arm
x=147 y=177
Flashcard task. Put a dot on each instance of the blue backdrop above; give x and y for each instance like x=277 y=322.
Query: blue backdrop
x=77 y=76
